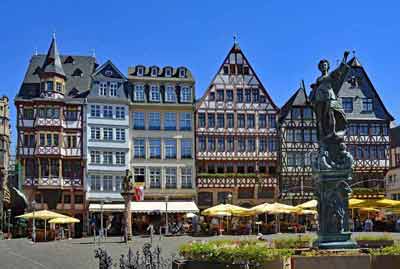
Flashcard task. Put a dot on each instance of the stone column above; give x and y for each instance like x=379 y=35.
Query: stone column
x=128 y=216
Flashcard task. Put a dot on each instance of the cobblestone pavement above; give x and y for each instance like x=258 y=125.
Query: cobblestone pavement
x=79 y=253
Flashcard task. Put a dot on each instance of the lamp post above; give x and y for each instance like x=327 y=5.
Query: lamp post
x=166 y=216
x=33 y=221
x=9 y=223
x=101 y=219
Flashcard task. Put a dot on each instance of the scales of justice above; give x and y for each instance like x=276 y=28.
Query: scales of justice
x=332 y=167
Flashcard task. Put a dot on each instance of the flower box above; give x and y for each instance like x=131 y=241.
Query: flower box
x=331 y=262
x=273 y=264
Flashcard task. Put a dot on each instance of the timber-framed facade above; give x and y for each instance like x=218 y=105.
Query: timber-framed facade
x=236 y=137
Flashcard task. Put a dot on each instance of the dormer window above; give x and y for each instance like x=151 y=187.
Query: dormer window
x=154 y=93
x=103 y=89
x=186 y=94
x=69 y=60
x=182 y=72
x=170 y=94
x=113 y=89
x=140 y=71
x=138 y=93
x=77 y=73
x=154 y=71
x=108 y=73
x=168 y=72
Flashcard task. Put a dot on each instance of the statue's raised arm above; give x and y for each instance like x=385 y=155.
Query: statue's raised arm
x=339 y=73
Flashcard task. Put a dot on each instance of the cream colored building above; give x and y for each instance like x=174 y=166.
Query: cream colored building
x=162 y=131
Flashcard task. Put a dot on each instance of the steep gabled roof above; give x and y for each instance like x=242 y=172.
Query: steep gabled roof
x=298 y=99
x=52 y=63
x=236 y=49
x=106 y=64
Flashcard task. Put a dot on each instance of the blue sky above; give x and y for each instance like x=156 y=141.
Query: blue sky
x=283 y=40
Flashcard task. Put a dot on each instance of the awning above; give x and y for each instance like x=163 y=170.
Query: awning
x=150 y=207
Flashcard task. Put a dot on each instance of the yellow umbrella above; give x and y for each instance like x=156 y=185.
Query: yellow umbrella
x=42 y=215
x=369 y=209
x=64 y=220
x=309 y=204
x=227 y=209
x=354 y=203
x=387 y=203
x=307 y=212
x=275 y=208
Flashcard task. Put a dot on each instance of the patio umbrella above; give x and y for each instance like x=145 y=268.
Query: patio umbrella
x=308 y=205
x=42 y=215
x=67 y=220
x=190 y=215
x=307 y=212
x=228 y=209
x=353 y=202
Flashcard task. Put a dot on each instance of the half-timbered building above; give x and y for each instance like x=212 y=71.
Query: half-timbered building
x=50 y=126
x=236 y=136
x=298 y=141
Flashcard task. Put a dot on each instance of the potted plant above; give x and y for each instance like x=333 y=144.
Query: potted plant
x=368 y=241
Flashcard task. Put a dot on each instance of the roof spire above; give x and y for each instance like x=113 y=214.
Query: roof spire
x=52 y=63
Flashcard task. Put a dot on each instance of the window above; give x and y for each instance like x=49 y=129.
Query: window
x=298 y=135
x=155 y=178
x=78 y=199
x=367 y=104
x=103 y=88
x=250 y=121
x=221 y=144
x=314 y=137
x=220 y=120
x=58 y=87
x=108 y=134
x=376 y=129
x=251 y=144
x=262 y=145
x=202 y=120
x=230 y=144
x=50 y=86
x=138 y=93
x=95 y=157
x=28 y=114
x=118 y=183
x=239 y=95
x=29 y=140
x=291 y=159
x=169 y=121
x=170 y=178
x=70 y=141
x=347 y=103
x=230 y=120
x=95 y=133
x=170 y=94
x=155 y=148
x=229 y=95
x=247 y=93
x=211 y=143
x=226 y=70
x=107 y=112
x=241 y=121
x=212 y=96
x=185 y=119
x=186 y=148
x=246 y=192
x=107 y=183
x=139 y=174
x=210 y=120
x=154 y=71
x=256 y=95
x=271 y=121
x=107 y=157
x=120 y=158
x=120 y=112
x=246 y=70
x=44 y=164
x=202 y=143
x=220 y=95
x=139 y=148
x=262 y=121
x=186 y=95
x=113 y=89
x=307 y=135
x=154 y=121
x=182 y=72
x=95 y=183
x=54 y=168
x=241 y=144
x=168 y=72
x=140 y=71
x=363 y=129
x=95 y=111
x=205 y=198
x=186 y=173
x=170 y=148
x=42 y=139
x=296 y=113
x=154 y=93
x=272 y=145
x=307 y=113
x=71 y=115
x=138 y=120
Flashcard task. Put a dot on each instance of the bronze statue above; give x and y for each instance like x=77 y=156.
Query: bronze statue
x=127 y=183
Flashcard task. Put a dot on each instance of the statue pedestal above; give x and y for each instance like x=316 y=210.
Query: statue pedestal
x=332 y=193
x=128 y=215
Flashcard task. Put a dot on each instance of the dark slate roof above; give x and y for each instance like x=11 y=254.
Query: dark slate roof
x=132 y=72
x=395 y=137
x=52 y=63
x=75 y=85
x=354 y=62
x=298 y=99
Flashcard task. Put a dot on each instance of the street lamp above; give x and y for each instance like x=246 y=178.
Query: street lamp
x=9 y=222
x=33 y=221
x=166 y=215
